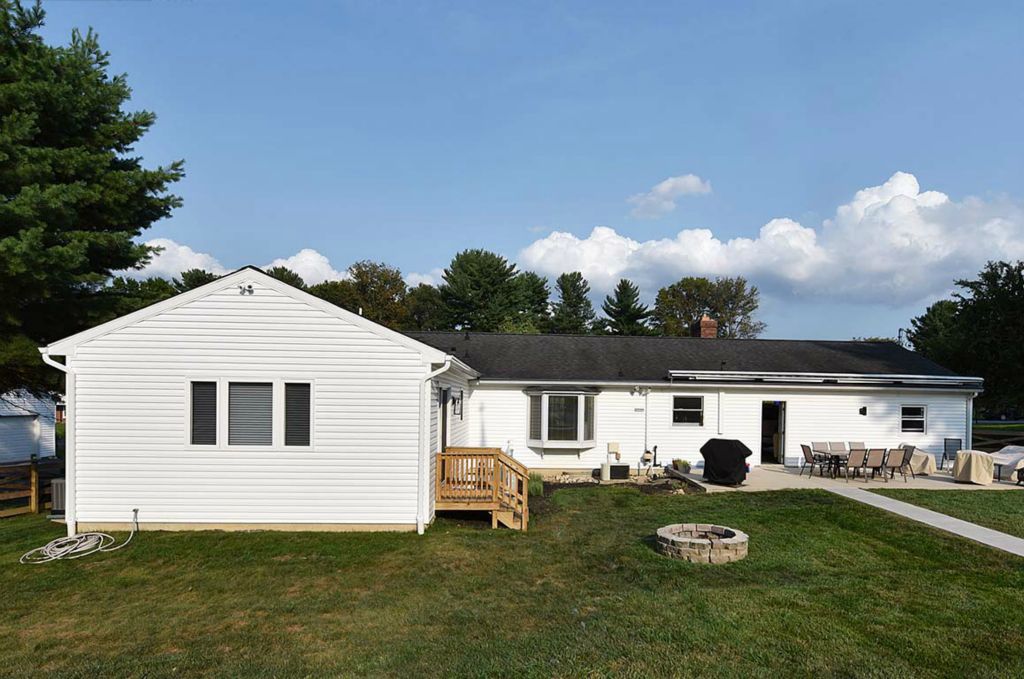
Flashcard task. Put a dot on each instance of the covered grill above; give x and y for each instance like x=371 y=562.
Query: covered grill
x=725 y=461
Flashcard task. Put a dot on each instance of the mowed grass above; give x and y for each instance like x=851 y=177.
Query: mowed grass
x=1000 y=510
x=830 y=588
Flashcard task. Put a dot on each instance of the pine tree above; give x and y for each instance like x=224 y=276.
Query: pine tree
x=625 y=314
x=572 y=313
x=193 y=278
x=480 y=291
x=286 y=275
x=73 y=196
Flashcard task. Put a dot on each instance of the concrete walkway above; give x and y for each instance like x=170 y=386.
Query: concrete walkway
x=964 y=529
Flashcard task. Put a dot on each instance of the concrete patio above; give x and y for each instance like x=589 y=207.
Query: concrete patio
x=777 y=477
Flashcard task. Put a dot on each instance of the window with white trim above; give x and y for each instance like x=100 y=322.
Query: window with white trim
x=250 y=413
x=688 y=410
x=297 y=413
x=203 y=414
x=913 y=419
x=561 y=420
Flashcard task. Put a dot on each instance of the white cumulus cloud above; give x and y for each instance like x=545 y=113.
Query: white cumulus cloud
x=661 y=199
x=313 y=266
x=433 y=277
x=892 y=244
x=174 y=258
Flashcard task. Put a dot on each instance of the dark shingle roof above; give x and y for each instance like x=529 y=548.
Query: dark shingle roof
x=647 y=359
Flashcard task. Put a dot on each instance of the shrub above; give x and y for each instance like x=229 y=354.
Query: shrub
x=536 y=485
x=681 y=465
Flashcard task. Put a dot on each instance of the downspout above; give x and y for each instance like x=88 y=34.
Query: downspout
x=423 y=494
x=69 y=440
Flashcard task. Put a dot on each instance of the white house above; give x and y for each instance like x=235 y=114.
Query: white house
x=247 y=403
x=26 y=426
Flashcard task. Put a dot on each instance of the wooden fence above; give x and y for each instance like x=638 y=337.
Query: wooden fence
x=991 y=440
x=27 y=487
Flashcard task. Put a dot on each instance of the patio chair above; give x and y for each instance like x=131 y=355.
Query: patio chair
x=875 y=462
x=899 y=461
x=810 y=460
x=819 y=447
x=857 y=445
x=837 y=446
x=855 y=462
x=949 y=450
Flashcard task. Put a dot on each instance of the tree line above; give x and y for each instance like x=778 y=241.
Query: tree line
x=977 y=332
x=482 y=291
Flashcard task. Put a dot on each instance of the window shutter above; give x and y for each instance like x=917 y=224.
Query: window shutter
x=204 y=413
x=296 y=414
x=250 y=413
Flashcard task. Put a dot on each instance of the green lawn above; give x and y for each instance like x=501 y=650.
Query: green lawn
x=1001 y=510
x=1016 y=426
x=830 y=588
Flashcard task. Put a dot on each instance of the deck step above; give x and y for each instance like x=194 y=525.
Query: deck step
x=509 y=519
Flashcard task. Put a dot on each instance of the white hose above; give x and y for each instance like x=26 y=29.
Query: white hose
x=78 y=546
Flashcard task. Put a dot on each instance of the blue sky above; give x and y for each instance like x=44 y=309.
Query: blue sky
x=405 y=132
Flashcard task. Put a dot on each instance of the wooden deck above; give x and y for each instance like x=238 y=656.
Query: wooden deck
x=483 y=479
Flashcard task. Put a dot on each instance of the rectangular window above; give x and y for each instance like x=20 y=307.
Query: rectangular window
x=204 y=414
x=563 y=418
x=250 y=413
x=535 y=417
x=688 y=410
x=912 y=419
x=297 y=414
x=588 y=418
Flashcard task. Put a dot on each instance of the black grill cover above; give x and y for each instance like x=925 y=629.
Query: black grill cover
x=725 y=461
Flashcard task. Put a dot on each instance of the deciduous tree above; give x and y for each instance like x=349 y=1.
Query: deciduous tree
x=730 y=301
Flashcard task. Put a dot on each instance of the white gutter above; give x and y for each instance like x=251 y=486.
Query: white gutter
x=69 y=439
x=829 y=378
x=708 y=384
x=423 y=492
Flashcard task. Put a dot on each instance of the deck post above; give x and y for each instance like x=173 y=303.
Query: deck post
x=33 y=479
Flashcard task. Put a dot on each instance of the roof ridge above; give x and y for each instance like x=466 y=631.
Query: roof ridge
x=648 y=337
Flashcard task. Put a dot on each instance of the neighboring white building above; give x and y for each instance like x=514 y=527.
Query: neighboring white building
x=247 y=403
x=26 y=426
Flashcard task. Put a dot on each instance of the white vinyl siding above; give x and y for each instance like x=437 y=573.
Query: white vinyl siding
x=30 y=431
x=132 y=412
x=498 y=415
x=19 y=438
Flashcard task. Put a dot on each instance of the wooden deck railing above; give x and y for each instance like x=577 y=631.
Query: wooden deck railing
x=483 y=479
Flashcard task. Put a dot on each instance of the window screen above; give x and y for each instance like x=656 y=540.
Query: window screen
x=204 y=413
x=563 y=418
x=535 y=418
x=250 y=413
x=296 y=414
x=912 y=419
x=688 y=410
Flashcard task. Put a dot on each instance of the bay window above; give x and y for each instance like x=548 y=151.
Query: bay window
x=561 y=419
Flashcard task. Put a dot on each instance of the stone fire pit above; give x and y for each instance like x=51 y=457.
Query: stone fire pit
x=702 y=543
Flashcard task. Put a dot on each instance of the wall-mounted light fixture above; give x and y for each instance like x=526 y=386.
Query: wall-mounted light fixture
x=863 y=410
x=457 y=404
x=245 y=289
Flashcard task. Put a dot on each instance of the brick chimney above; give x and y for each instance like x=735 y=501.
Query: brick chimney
x=706 y=327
